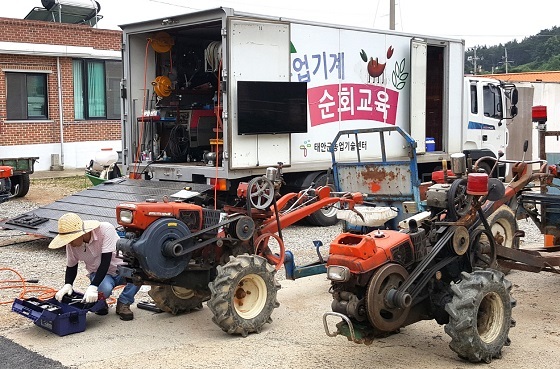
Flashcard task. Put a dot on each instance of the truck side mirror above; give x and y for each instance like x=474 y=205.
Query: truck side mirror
x=514 y=97
x=513 y=111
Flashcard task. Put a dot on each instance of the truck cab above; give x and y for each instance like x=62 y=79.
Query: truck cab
x=489 y=105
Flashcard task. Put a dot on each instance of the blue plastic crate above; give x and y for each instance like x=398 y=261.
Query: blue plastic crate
x=61 y=318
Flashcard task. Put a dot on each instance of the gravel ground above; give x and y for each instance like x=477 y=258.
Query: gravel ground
x=33 y=260
x=295 y=339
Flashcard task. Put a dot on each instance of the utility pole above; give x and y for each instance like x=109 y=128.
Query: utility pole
x=505 y=59
x=473 y=59
x=391 y=14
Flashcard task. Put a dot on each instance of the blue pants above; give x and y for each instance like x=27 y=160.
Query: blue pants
x=108 y=284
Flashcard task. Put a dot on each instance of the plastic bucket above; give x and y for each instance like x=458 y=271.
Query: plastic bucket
x=430 y=144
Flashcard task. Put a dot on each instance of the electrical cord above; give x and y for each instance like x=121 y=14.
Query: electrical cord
x=41 y=292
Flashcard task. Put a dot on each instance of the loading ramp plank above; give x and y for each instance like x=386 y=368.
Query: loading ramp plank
x=96 y=203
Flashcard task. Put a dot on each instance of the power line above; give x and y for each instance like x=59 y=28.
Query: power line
x=171 y=4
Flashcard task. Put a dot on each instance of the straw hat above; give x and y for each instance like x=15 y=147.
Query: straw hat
x=70 y=227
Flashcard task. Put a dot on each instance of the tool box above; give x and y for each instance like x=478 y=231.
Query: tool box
x=63 y=318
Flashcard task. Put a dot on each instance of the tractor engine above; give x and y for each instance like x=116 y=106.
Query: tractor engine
x=161 y=238
x=354 y=258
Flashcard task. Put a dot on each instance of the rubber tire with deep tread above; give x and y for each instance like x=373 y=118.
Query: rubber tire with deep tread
x=323 y=217
x=167 y=300
x=23 y=181
x=481 y=292
x=505 y=217
x=224 y=290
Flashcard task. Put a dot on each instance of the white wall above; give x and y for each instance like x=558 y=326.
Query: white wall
x=76 y=154
x=547 y=94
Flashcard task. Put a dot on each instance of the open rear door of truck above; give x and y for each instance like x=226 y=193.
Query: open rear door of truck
x=418 y=61
x=258 y=51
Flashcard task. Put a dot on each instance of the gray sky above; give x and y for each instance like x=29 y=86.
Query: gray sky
x=479 y=22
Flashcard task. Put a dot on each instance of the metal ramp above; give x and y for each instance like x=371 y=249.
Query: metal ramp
x=97 y=203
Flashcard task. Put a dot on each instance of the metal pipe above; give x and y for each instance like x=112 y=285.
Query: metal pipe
x=60 y=111
x=95 y=7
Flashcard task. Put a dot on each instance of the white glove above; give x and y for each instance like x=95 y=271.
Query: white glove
x=65 y=290
x=91 y=294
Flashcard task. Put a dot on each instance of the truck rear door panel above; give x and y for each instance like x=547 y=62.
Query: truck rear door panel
x=258 y=51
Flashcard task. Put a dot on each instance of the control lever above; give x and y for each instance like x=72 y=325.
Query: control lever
x=525 y=147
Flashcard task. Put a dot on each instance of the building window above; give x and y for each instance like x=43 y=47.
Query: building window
x=96 y=89
x=26 y=97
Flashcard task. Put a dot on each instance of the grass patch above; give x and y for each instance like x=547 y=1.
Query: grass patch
x=75 y=183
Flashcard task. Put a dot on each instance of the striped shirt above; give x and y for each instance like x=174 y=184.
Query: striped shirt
x=103 y=239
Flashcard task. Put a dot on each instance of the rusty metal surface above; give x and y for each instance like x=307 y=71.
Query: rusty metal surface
x=98 y=203
x=528 y=260
x=376 y=179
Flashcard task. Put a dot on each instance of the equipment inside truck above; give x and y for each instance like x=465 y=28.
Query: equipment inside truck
x=179 y=119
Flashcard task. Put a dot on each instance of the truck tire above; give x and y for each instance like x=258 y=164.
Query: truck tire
x=503 y=225
x=177 y=300
x=487 y=169
x=23 y=181
x=326 y=216
x=243 y=294
x=480 y=315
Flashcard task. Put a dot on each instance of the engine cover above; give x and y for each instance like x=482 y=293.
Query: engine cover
x=436 y=196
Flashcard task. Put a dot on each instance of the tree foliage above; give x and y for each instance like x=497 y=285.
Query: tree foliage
x=540 y=52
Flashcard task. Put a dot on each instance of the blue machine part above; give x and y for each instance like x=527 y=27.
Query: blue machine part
x=294 y=272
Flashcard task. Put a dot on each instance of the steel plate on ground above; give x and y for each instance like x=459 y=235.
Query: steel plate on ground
x=99 y=203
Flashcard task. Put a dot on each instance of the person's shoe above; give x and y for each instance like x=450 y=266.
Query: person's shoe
x=123 y=310
x=103 y=311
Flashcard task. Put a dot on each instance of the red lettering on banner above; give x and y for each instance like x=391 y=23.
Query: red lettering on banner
x=352 y=101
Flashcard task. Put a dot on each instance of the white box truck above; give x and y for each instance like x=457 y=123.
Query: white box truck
x=217 y=96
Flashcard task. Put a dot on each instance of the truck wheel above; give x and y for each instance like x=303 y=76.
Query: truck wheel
x=503 y=226
x=326 y=216
x=480 y=315
x=243 y=294
x=487 y=169
x=177 y=300
x=23 y=181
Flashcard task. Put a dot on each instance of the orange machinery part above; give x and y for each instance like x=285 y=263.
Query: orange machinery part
x=362 y=253
x=145 y=213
